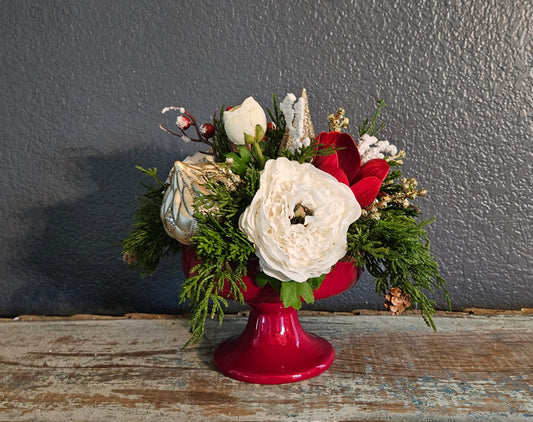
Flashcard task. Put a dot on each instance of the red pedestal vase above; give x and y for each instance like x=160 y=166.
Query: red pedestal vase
x=274 y=348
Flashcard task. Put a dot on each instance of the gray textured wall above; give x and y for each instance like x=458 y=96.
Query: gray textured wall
x=83 y=84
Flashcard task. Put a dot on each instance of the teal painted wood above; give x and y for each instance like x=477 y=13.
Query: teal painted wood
x=475 y=368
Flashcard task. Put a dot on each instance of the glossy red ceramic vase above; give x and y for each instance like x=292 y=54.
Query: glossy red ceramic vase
x=274 y=348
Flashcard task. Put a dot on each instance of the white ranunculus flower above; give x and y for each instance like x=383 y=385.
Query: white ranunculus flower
x=298 y=220
x=242 y=119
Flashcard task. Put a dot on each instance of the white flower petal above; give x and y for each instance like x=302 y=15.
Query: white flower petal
x=243 y=119
x=297 y=252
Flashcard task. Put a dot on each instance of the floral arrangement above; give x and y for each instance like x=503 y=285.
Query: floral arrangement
x=299 y=202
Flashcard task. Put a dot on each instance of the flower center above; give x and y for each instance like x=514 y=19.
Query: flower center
x=300 y=212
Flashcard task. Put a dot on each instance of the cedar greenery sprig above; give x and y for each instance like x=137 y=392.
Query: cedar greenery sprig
x=395 y=251
x=221 y=142
x=306 y=153
x=274 y=136
x=223 y=251
x=148 y=242
x=370 y=127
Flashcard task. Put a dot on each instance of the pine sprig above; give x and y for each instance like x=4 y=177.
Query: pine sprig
x=148 y=242
x=395 y=250
x=228 y=204
x=221 y=142
x=223 y=251
x=371 y=127
x=274 y=137
x=204 y=289
x=361 y=244
x=306 y=153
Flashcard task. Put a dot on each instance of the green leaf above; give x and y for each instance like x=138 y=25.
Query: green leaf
x=276 y=284
x=257 y=153
x=249 y=139
x=241 y=161
x=315 y=282
x=274 y=137
x=245 y=154
x=238 y=166
x=262 y=279
x=259 y=133
x=306 y=292
x=290 y=295
x=370 y=127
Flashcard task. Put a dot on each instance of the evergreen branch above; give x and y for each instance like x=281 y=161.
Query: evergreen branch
x=274 y=137
x=204 y=289
x=223 y=251
x=148 y=241
x=370 y=127
x=221 y=142
x=306 y=153
x=395 y=250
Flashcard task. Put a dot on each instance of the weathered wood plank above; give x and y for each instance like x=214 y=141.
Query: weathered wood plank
x=473 y=368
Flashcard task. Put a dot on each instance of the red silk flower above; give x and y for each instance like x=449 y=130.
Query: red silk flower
x=345 y=165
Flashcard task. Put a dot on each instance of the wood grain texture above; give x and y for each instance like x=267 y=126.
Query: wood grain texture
x=475 y=368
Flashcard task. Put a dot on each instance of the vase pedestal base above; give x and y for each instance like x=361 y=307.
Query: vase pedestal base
x=273 y=349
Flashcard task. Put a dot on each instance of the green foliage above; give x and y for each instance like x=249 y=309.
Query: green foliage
x=221 y=142
x=240 y=161
x=223 y=251
x=371 y=127
x=361 y=243
x=148 y=241
x=292 y=293
x=262 y=279
x=307 y=153
x=395 y=250
x=315 y=282
x=274 y=137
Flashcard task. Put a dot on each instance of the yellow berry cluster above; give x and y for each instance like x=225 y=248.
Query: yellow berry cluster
x=401 y=198
x=337 y=121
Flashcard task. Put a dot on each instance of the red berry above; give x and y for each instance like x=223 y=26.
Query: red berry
x=271 y=126
x=228 y=108
x=183 y=122
x=207 y=130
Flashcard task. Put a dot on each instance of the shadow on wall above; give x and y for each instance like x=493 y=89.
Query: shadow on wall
x=75 y=265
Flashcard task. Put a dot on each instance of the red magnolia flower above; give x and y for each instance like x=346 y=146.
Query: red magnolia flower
x=345 y=165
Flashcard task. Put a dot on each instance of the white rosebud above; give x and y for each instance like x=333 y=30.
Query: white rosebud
x=243 y=119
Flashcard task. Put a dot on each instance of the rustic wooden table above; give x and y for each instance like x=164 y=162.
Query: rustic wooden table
x=477 y=368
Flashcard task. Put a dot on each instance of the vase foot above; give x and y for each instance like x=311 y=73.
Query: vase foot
x=273 y=349
x=267 y=369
